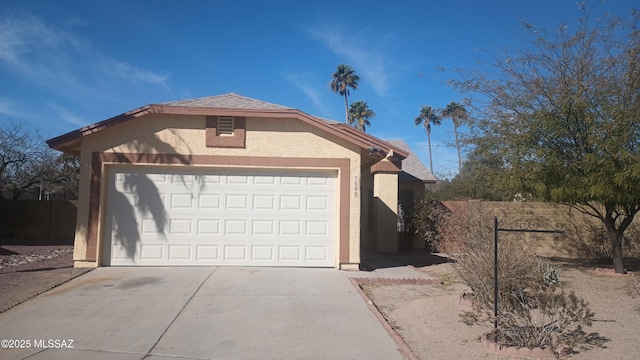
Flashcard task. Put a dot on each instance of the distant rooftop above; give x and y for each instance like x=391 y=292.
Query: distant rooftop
x=412 y=166
x=227 y=101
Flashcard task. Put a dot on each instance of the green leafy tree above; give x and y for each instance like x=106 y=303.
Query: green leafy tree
x=343 y=79
x=360 y=115
x=563 y=115
x=458 y=115
x=478 y=179
x=427 y=117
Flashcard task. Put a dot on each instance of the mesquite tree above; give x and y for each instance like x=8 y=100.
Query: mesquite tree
x=563 y=114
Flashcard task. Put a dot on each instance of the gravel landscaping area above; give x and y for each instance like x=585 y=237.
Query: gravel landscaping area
x=28 y=271
x=427 y=316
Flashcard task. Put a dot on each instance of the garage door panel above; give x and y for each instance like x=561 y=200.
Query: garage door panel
x=237 y=179
x=290 y=202
x=289 y=228
x=316 y=228
x=264 y=202
x=235 y=253
x=263 y=228
x=208 y=227
x=262 y=253
x=235 y=227
x=317 y=203
x=289 y=253
x=221 y=217
x=236 y=202
x=209 y=201
x=152 y=252
x=208 y=253
x=180 y=227
x=181 y=201
x=180 y=252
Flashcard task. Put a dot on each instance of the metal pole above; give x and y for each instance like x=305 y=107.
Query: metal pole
x=495 y=273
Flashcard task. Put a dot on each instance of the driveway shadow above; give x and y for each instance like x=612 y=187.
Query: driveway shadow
x=371 y=261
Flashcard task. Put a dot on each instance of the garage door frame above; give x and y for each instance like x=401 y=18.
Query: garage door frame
x=100 y=160
x=186 y=212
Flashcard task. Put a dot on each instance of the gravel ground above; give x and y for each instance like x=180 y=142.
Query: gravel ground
x=427 y=316
x=28 y=271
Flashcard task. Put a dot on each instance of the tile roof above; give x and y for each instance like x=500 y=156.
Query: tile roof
x=227 y=101
x=412 y=166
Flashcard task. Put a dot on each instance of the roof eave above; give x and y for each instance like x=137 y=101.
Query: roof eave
x=65 y=142
x=70 y=142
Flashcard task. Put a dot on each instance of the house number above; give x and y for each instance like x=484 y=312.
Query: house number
x=355 y=186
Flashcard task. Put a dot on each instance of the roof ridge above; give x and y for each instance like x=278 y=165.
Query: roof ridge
x=228 y=100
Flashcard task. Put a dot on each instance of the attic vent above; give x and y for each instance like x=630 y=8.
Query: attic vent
x=225 y=126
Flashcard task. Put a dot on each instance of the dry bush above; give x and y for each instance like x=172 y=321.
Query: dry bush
x=533 y=310
x=426 y=220
x=472 y=230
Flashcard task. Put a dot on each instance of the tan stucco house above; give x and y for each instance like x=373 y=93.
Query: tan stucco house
x=229 y=180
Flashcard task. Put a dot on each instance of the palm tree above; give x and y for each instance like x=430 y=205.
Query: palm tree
x=459 y=115
x=427 y=117
x=359 y=115
x=344 y=78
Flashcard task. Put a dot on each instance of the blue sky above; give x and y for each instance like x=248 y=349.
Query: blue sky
x=67 y=64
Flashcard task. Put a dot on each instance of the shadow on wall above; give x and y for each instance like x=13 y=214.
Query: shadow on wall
x=140 y=198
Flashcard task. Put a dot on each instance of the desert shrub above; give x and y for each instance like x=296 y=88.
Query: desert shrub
x=540 y=317
x=427 y=216
x=533 y=309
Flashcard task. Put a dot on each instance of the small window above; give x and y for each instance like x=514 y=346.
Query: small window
x=225 y=126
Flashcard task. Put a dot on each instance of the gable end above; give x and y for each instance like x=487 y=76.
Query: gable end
x=223 y=139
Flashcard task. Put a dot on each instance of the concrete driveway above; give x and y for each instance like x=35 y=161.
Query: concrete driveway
x=198 y=313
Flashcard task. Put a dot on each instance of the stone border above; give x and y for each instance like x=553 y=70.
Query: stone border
x=395 y=281
x=17 y=260
x=612 y=272
x=537 y=353
x=402 y=346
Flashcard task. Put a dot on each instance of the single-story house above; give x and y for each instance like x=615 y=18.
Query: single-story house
x=229 y=180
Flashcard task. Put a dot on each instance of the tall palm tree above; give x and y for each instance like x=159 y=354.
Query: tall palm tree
x=427 y=117
x=459 y=115
x=343 y=79
x=359 y=115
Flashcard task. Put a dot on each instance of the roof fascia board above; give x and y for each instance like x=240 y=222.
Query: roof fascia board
x=59 y=142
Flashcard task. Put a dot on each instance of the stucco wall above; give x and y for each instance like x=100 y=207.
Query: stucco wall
x=385 y=193
x=185 y=136
x=367 y=238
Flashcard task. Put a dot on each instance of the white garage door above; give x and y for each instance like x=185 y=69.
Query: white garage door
x=191 y=216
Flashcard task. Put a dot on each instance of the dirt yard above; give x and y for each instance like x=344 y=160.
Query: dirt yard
x=427 y=316
x=27 y=271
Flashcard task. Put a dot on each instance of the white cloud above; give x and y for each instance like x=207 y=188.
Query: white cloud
x=8 y=108
x=67 y=115
x=64 y=62
x=306 y=83
x=363 y=54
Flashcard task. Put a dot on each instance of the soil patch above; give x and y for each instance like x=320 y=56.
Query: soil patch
x=427 y=317
x=28 y=271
